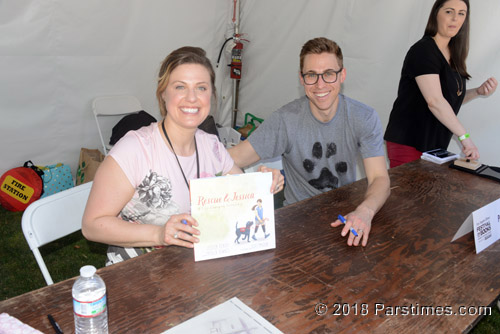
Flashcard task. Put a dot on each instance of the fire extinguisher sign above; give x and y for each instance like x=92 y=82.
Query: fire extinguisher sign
x=236 y=63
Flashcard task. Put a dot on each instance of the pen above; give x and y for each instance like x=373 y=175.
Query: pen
x=342 y=219
x=54 y=324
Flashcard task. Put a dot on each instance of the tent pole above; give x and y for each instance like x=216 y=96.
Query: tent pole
x=236 y=89
x=236 y=82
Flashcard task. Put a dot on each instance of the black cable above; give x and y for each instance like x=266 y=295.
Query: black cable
x=222 y=48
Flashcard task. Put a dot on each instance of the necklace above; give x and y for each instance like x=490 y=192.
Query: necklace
x=196 y=150
x=459 y=86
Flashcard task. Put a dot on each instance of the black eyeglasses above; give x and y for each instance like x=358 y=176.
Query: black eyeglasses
x=330 y=76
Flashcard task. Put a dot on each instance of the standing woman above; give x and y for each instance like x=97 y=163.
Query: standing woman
x=140 y=195
x=432 y=88
x=259 y=219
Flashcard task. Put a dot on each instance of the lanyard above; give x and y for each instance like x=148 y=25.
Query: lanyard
x=196 y=150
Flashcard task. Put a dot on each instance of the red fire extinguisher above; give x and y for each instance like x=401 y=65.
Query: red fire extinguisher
x=236 y=60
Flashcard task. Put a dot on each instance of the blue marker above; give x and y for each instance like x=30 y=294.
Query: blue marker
x=185 y=223
x=342 y=219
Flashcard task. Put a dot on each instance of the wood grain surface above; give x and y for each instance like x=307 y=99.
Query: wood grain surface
x=406 y=280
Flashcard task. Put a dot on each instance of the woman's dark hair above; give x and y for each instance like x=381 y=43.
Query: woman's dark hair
x=256 y=205
x=459 y=44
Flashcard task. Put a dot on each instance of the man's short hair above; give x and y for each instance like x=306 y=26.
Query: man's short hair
x=320 y=45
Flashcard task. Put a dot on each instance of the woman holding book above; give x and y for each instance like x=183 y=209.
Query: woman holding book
x=140 y=197
x=432 y=88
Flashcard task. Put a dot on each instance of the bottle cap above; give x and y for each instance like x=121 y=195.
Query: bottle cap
x=87 y=271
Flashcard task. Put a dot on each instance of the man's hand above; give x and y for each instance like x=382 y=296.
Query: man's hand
x=278 y=178
x=361 y=221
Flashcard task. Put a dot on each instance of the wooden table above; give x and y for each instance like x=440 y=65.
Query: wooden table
x=409 y=261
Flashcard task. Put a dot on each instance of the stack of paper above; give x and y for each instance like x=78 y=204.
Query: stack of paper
x=439 y=156
x=9 y=324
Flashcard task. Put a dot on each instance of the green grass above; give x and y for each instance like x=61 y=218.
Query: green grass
x=489 y=324
x=64 y=257
x=19 y=272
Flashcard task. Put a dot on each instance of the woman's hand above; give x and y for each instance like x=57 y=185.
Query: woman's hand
x=278 y=178
x=470 y=150
x=488 y=87
x=179 y=231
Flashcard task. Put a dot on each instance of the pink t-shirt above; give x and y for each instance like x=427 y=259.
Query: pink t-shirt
x=151 y=168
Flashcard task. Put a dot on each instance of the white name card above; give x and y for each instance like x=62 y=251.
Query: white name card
x=485 y=222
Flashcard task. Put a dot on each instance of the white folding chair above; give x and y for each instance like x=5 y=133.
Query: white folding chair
x=54 y=217
x=108 y=108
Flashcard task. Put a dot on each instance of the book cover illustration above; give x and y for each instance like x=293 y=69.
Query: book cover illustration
x=235 y=214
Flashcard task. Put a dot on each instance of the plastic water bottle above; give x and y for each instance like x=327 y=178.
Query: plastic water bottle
x=89 y=303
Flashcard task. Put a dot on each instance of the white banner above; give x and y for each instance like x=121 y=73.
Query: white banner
x=57 y=56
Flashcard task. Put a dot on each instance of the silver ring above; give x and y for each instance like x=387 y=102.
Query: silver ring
x=360 y=231
x=176 y=236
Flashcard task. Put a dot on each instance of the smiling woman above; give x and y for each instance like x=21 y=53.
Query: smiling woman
x=188 y=94
x=140 y=196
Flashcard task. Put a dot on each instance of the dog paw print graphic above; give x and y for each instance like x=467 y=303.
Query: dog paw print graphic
x=326 y=179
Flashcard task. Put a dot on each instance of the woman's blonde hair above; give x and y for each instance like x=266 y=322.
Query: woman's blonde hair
x=184 y=55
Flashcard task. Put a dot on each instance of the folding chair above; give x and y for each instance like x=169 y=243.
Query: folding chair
x=106 y=106
x=54 y=217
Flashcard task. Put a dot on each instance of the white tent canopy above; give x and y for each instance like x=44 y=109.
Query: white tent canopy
x=56 y=56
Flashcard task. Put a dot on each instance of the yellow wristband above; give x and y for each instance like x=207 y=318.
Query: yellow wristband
x=465 y=136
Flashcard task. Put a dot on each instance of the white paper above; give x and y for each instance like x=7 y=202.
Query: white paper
x=485 y=222
x=465 y=228
x=486 y=225
x=232 y=316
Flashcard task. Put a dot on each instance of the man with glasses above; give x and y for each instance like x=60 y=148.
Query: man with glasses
x=319 y=137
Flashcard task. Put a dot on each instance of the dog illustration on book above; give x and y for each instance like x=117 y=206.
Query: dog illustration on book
x=245 y=231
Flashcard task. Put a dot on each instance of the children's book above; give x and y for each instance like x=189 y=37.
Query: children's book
x=232 y=316
x=235 y=214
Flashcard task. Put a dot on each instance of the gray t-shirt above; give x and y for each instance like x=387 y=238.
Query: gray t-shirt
x=318 y=157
